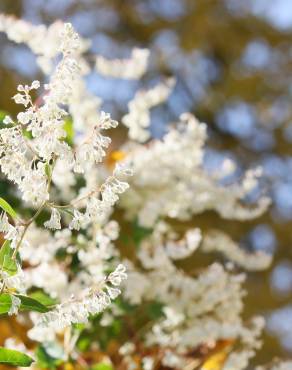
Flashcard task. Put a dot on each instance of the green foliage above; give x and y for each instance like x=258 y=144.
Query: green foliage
x=27 y=304
x=14 y=358
x=30 y=304
x=69 y=129
x=140 y=233
x=5 y=303
x=7 y=263
x=3 y=114
x=48 y=356
x=102 y=366
x=48 y=170
x=43 y=298
x=83 y=343
x=135 y=234
x=154 y=310
x=7 y=208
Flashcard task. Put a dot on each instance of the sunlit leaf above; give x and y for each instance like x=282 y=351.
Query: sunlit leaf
x=43 y=298
x=69 y=129
x=7 y=263
x=46 y=360
x=14 y=358
x=115 y=157
x=102 y=366
x=30 y=304
x=5 y=303
x=7 y=208
x=48 y=170
x=219 y=356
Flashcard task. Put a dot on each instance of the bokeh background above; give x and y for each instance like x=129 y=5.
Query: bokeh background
x=232 y=60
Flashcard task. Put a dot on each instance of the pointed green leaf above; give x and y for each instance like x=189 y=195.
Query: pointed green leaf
x=43 y=298
x=5 y=303
x=14 y=358
x=69 y=129
x=7 y=263
x=27 y=304
x=7 y=208
x=30 y=304
x=45 y=360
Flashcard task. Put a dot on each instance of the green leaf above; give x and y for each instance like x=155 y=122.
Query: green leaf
x=69 y=129
x=3 y=114
x=7 y=208
x=155 y=310
x=45 y=360
x=43 y=298
x=102 y=366
x=14 y=358
x=27 y=304
x=48 y=170
x=83 y=344
x=6 y=262
x=139 y=233
x=5 y=303
x=30 y=304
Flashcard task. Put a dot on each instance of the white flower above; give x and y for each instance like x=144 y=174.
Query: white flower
x=132 y=68
x=138 y=118
x=35 y=84
x=55 y=220
x=7 y=120
x=118 y=275
x=4 y=224
x=106 y=122
x=78 y=220
x=15 y=304
x=148 y=363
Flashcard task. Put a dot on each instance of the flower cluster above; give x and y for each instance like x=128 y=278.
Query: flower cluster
x=138 y=118
x=132 y=68
x=71 y=245
x=31 y=147
x=183 y=188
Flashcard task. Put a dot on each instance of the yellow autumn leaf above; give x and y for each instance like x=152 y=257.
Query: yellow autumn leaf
x=216 y=361
x=114 y=157
x=219 y=356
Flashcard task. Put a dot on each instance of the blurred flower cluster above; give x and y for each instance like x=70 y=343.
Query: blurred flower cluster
x=90 y=261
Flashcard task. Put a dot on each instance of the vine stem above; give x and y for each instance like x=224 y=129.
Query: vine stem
x=27 y=224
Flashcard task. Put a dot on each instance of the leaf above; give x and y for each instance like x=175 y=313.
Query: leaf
x=6 y=262
x=83 y=344
x=30 y=304
x=102 y=366
x=48 y=170
x=219 y=356
x=7 y=208
x=139 y=233
x=46 y=361
x=27 y=304
x=43 y=298
x=114 y=157
x=3 y=114
x=14 y=358
x=5 y=303
x=69 y=129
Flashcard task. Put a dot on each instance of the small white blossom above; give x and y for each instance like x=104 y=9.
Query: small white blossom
x=55 y=221
x=118 y=275
x=132 y=68
x=15 y=304
x=7 y=120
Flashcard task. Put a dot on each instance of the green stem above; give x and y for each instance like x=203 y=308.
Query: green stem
x=27 y=224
